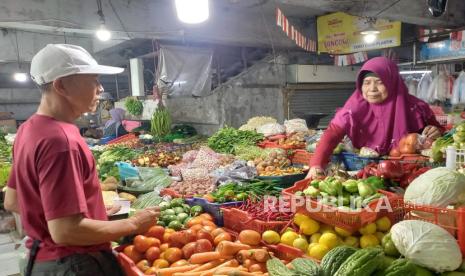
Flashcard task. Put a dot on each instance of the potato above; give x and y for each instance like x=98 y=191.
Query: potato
x=108 y=186
x=110 y=179
x=127 y=196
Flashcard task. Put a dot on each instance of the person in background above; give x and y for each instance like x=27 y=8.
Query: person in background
x=377 y=115
x=54 y=184
x=114 y=126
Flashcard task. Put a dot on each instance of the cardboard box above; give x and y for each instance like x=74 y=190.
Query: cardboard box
x=8 y=126
x=6 y=115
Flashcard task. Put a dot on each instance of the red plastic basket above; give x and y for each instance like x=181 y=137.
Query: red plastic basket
x=453 y=220
x=301 y=157
x=129 y=268
x=238 y=220
x=351 y=221
x=124 y=138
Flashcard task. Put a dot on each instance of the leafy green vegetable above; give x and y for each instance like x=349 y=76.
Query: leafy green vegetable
x=4 y=173
x=227 y=138
x=134 y=106
x=161 y=122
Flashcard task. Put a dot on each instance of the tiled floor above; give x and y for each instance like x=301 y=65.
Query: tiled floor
x=9 y=256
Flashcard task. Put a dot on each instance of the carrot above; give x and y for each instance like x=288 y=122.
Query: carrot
x=248 y=262
x=240 y=273
x=227 y=248
x=200 y=258
x=230 y=263
x=243 y=255
x=259 y=267
x=208 y=265
x=261 y=255
x=169 y=271
x=227 y=270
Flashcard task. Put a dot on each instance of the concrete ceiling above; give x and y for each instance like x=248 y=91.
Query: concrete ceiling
x=135 y=23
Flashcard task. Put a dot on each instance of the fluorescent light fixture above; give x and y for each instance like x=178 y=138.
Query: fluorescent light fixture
x=370 y=38
x=415 y=72
x=179 y=82
x=103 y=34
x=20 y=77
x=192 y=11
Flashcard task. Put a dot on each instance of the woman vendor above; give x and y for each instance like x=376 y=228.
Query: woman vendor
x=114 y=126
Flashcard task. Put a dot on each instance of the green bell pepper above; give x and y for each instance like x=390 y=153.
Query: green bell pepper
x=315 y=183
x=376 y=182
x=332 y=188
x=365 y=190
x=351 y=186
x=312 y=191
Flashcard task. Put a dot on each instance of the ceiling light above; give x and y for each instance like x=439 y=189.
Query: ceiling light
x=370 y=38
x=192 y=11
x=414 y=72
x=20 y=77
x=370 y=33
x=103 y=34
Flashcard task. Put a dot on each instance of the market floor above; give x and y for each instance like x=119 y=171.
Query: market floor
x=9 y=256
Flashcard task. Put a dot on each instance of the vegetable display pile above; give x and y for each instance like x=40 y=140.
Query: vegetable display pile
x=282 y=171
x=161 y=122
x=157 y=159
x=106 y=161
x=256 y=210
x=227 y=138
x=350 y=193
x=176 y=213
x=134 y=106
x=242 y=191
x=274 y=160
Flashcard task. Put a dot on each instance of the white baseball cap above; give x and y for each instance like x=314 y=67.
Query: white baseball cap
x=60 y=60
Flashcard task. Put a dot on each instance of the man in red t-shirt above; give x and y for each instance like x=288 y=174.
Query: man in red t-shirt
x=54 y=183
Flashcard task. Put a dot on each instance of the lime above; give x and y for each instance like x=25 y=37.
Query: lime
x=164 y=205
x=351 y=241
x=271 y=237
x=300 y=243
x=169 y=212
x=186 y=208
x=315 y=237
x=310 y=246
x=161 y=223
x=169 y=218
x=330 y=240
x=318 y=251
x=182 y=216
x=178 y=210
x=176 y=202
x=368 y=229
x=368 y=240
x=175 y=225
x=326 y=229
x=309 y=226
x=196 y=210
x=383 y=224
x=289 y=237
x=342 y=232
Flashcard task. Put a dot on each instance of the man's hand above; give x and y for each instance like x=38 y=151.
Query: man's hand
x=144 y=219
x=315 y=172
x=432 y=132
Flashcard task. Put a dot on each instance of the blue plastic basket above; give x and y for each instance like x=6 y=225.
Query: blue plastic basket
x=126 y=170
x=213 y=209
x=353 y=162
x=106 y=139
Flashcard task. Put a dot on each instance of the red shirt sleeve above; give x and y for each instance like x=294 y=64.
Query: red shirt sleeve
x=61 y=185
x=328 y=142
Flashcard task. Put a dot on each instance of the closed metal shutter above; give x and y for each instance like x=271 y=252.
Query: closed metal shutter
x=319 y=99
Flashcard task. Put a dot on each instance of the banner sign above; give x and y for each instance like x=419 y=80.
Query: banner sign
x=339 y=33
x=292 y=32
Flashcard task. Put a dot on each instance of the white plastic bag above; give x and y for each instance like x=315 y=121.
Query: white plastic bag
x=271 y=129
x=295 y=125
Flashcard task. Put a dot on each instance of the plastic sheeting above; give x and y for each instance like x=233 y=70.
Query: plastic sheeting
x=185 y=71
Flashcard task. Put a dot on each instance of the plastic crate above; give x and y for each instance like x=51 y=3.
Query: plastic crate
x=213 y=209
x=301 y=157
x=128 y=266
x=105 y=140
x=452 y=220
x=238 y=220
x=353 y=162
x=455 y=158
x=349 y=220
x=126 y=170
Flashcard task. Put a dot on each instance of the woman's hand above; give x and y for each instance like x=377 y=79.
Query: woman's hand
x=315 y=172
x=432 y=132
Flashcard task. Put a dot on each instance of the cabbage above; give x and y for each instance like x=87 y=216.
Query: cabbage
x=427 y=245
x=438 y=187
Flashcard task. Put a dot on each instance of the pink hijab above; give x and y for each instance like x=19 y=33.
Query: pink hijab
x=381 y=126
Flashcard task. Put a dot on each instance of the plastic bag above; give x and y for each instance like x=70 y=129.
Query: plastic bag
x=295 y=125
x=151 y=179
x=236 y=172
x=271 y=129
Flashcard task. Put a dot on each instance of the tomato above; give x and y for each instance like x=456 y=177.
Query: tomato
x=209 y=223
x=142 y=243
x=203 y=245
x=173 y=254
x=156 y=232
x=164 y=246
x=209 y=228
x=188 y=250
x=194 y=221
x=204 y=234
x=175 y=239
x=161 y=263
x=143 y=265
x=222 y=237
x=250 y=237
x=206 y=216
x=196 y=227
x=152 y=253
x=132 y=253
